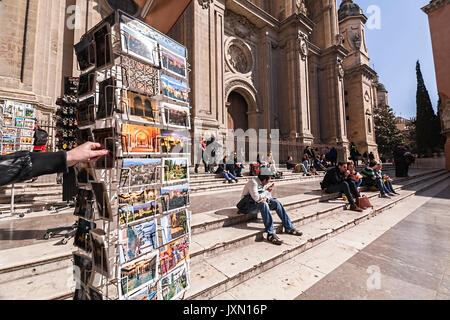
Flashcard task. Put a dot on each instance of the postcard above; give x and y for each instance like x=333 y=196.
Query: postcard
x=9 y=108
x=103 y=46
x=152 y=33
x=140 y=139
x=174 y=197
x=28 y=123
x=138 y=45
x=174 y=89
x=107 y=98
x=19 y=111
x=26 y=133
x=138 y=273
x=149 y=293
x=10 y=132
x=140 y=172
x=175 y=170
x=140 y=107
x=174 y=226
x=175 y=284
x=99 y=252
x=19 y=122
x=140 y=77
x=8 y=121
x=102 y=200
x=9 y=140
x=176 y=116
x=82 y=237
x=132 y=198
x=137 y=240
x=126 y=214
x=173 y=255
x=85 y=53
x=29 y=112
x=82 y=269
x=106 y=137
x=175 y=142
x=84 y=205
x=26 y=140
x=173 y=63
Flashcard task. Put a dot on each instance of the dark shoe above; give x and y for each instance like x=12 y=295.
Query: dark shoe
x=237 y=181
x=354 y=207
x=294 y=232
x=273 y=238
x=230 y=181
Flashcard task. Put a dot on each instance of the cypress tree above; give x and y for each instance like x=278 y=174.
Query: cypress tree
x=427 y=133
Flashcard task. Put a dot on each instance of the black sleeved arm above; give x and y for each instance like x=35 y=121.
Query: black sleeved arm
x=48 y=163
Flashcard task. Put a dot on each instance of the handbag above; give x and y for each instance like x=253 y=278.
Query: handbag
x=364 y=203
x=247 y=204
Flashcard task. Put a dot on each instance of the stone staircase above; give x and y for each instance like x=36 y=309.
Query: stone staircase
x=222 y=260
x=227 y=248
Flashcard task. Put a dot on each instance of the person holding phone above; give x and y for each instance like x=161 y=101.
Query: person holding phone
x=257 y=197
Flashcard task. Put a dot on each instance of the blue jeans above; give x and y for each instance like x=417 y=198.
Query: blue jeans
x=388 y=187
x=274 y=204
x=305 y=167
x=228 y=176
x=345 y=188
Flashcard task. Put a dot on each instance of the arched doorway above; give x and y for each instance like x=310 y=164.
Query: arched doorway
x=237 y=112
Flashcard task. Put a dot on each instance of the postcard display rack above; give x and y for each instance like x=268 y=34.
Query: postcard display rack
x=133 y=235
x=17 y=126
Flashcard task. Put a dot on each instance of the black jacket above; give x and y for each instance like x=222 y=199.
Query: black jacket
x=332 y=177
x=24 y=165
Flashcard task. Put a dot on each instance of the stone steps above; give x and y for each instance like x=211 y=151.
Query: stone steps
x=211 y=220
x=241 y=254
x=51 y=270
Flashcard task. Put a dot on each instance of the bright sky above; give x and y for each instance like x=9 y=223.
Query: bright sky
x=404 y=38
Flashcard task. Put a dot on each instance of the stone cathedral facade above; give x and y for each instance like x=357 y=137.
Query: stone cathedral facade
x=298 y=65
x=301 y=66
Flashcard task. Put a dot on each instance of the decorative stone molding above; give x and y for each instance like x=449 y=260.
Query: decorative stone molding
x=238 y=56
x=435 y=5
x=239 y=25
x=246 y=90
x=205 y=3
x=302 y=43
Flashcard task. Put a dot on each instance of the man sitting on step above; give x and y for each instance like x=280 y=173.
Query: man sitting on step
x=334 y=181
x=257 y=197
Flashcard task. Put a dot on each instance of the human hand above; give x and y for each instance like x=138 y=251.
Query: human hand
x=262 y=200
x=88 y=152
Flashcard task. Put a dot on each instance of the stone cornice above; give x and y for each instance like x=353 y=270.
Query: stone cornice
x=362 y=69
x=435 y=5
x=256 y=15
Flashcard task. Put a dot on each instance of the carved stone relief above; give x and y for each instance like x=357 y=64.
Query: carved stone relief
x=238 y=56
x=205 y=3
x=239 y=25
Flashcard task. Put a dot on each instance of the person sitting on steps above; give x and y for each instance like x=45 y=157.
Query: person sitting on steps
x=223 y=170
x=335 y=181
x=290 y=164
x=371 y=179
x=354 y=178
x=385 y=179
x=257 y=197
